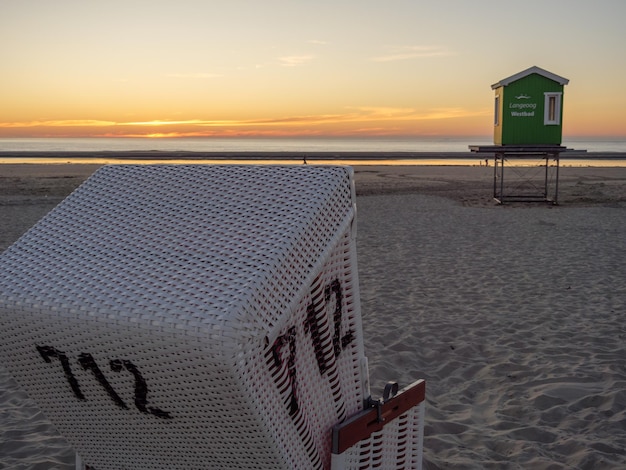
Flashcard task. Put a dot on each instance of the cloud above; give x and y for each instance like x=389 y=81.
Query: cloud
x=59 y=123
x=409 y=114
x=412 y=52
x=354 y=120
x=157 y=123
x=383 y=112
x=295 y=60
x=200 y=75
x=353 y=114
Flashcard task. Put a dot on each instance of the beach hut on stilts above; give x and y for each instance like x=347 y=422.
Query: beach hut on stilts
x=528 y=128
x=198 y=316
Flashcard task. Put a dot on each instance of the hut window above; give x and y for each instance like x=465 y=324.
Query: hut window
x=552 y=109
x=496 y=115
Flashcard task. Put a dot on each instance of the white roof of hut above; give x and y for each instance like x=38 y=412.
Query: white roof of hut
x=530 y=71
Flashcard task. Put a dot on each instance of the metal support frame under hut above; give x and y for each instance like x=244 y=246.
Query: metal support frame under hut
x=536 y=181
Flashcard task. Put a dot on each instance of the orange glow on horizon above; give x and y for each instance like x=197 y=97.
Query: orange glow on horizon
x=374 y=124
x=361 y=121
x=353 y=122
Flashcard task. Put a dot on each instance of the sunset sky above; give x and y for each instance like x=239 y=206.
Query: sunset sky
x=300 y=68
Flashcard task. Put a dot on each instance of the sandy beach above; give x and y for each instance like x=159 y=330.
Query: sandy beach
x=514 y=314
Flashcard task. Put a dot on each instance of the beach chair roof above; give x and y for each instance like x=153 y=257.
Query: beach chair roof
x=207 y=242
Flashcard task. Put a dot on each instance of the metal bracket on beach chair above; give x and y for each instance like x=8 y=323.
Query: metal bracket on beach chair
x=379 y=412
x=391 y=390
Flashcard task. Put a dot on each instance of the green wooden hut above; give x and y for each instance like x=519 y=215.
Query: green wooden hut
x=529 y=108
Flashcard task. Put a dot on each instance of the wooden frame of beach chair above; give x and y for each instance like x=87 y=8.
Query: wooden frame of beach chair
x=179 y=316
x=388 y=435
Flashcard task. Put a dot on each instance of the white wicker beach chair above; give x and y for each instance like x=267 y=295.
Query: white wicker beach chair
x=195 y=316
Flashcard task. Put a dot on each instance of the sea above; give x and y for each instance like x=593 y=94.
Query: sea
x=372 y=150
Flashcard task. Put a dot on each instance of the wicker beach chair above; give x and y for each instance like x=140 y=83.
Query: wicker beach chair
x=196 y=316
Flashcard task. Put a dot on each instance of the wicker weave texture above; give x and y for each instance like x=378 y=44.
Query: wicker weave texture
x=191 y=316
x=398 y=446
